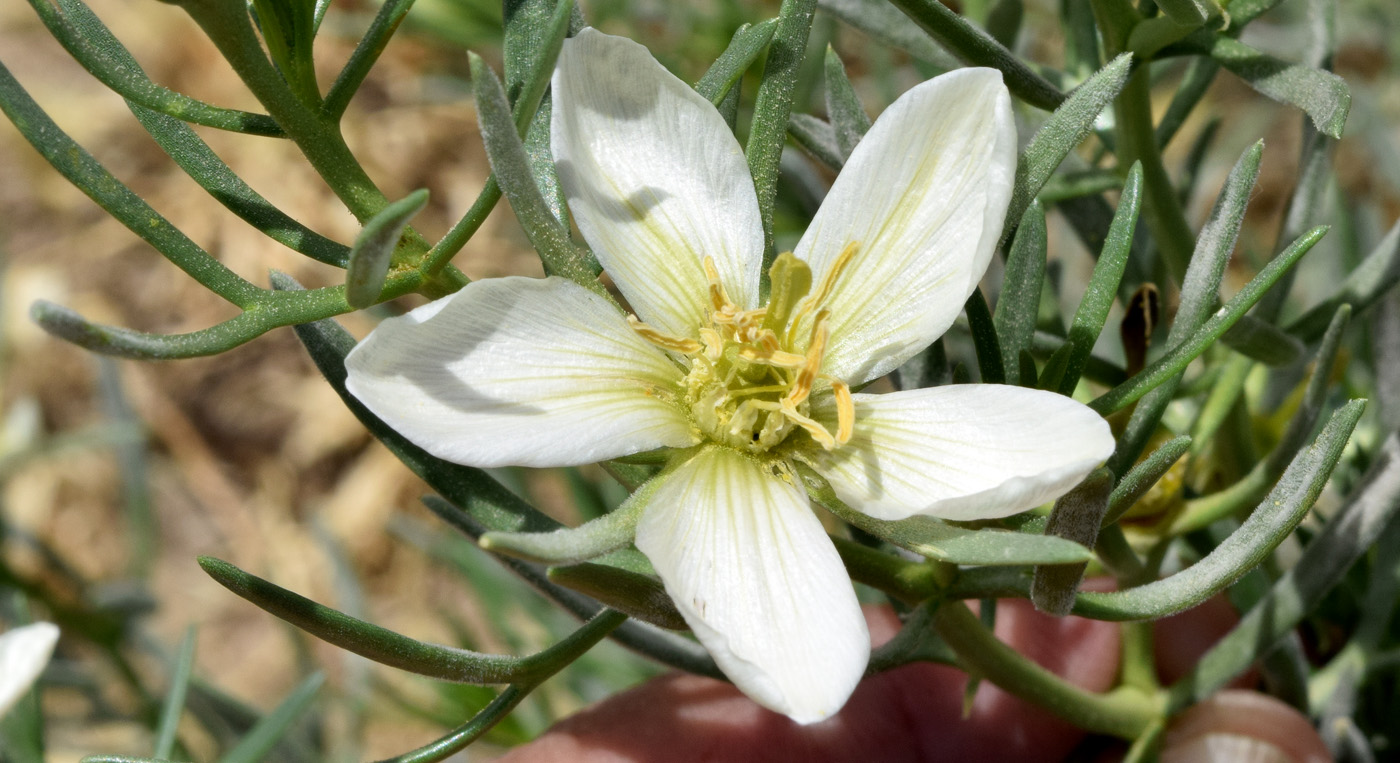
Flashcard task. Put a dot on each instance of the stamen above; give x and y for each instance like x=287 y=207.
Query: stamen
x=816 y=430
x=802 y=385
x=845 y=410
x=664 y=341
x=817 y=298
x=717 y=296
x=777 y=358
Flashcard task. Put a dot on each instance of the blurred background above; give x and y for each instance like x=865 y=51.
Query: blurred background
x=115 y=475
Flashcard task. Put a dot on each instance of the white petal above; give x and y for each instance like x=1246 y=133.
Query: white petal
x=752 y=571
x=655 y=180
x=973 y=451
x=24 y=652
x=519 y=371
x=923 y=196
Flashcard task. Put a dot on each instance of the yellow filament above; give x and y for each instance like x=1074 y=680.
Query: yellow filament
x=845 y=410
x=717 y=296
x=828 y=284
x=664 y=341
x=802 y=385
x=817 y=431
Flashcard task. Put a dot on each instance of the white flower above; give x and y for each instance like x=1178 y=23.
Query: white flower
x=542 y=372
x=24 y=652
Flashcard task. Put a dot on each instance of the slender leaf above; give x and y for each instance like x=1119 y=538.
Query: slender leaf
x=1262 y=341
x=258 y=742
x=773 y=106
x=1176 y=359
x=1194 y=84
x=461 y=737
x=973 y=47
x=1363 y=287
x=175 y=698
x=511 y=166
x=373 y=252
x=84 y=171
x=638 y=596
x=366 y=54
x=1076 y=517
x=1019 y=301
x=881 y=22
x=1266 y=527
x=818 y=138
x=1004 y=21
x=744 y=49
x=984 y=339
x=1369 y=509
x=1142 y=477
x=849 y=121
x=1065 y=129
x=1093 y=309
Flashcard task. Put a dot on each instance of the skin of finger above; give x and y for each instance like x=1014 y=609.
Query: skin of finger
x=912 y=713
x=1273 y=729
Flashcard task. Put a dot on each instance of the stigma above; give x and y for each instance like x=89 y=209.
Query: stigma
x=752 y=374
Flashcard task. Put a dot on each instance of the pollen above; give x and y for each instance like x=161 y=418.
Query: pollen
x=753 y=373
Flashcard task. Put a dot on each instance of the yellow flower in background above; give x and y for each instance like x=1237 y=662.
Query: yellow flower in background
x=543 y=372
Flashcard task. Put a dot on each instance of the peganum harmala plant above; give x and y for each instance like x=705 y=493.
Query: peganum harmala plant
x=1186 y=382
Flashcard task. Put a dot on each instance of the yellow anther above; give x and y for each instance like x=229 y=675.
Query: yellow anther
x=664 y=341
x=816 y=430
x=718 y=297
x=819 y=297
x=776 y=358
x=845 y=410
x=812 y=364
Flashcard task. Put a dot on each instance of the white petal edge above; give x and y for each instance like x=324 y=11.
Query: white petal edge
x=963 y=452
x=923 y=195
x=24 y=651
x=519 y=372
x=758 y=581
x=655 y=180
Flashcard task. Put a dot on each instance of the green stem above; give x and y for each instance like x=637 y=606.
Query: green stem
x=1137 y=142
x=910 y=582
x=1126 y=713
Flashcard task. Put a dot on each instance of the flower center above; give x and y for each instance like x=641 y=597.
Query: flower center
x=750 y=383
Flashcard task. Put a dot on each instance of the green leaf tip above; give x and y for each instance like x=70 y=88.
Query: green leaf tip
x=373 y=251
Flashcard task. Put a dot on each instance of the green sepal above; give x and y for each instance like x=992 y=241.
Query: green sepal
x=638 y=596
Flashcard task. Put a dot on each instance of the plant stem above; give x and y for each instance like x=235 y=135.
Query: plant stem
x=1126 y=712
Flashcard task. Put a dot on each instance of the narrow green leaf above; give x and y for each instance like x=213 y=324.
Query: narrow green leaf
x=1176 y=359
x=1004 y=21
x=818 y=138
x=848 y=118
x=1363 y=287
x=1194 y=84
x=1200 y=290
x=1320 y=94
x=1244 y=11
x=1262 y=341
x=534 y=35
x=570 y=545
x=366 y=54
x=1266 y=527
x=374 y=247
x=107 y=66
x=1190 y=12
x=84 y=171
x=773 y=106
x=462 y=737
x=288 y=28
x=881 y=22
x=1093 y=309
x=380 y=644
x=199 y=162
x=638 y=596
x=984 y=339
x=1220 y=404
x=947 y=543
x=1140 y=479
x=973 y=47
x=560 y=255
x=1065 y=129
x=744 y=49
x=1304 y=208
x=1074 y=184
x=174 y=705
x=1019 y=301
x=257 y=743
x=1203 y=511
x=1369 y=509
x=1076 y=517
